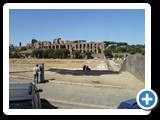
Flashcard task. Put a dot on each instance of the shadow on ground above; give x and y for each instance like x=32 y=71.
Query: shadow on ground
x=45 y=104
x=21 y=71
x=82 y=72
x=47 y=80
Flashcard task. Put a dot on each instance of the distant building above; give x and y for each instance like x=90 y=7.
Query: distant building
x=96 y=47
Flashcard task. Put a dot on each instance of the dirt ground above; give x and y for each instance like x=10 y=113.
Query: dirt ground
x=71 y=71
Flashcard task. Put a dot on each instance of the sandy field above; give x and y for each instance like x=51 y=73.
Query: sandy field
x=102 y=72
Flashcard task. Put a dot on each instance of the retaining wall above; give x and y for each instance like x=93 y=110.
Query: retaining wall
x=136 y=65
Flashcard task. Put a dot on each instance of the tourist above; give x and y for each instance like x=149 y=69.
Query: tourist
x=84 y=67
x=35 y=73
x=87 y=68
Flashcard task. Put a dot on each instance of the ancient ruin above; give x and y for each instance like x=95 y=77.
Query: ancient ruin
x=95 y=47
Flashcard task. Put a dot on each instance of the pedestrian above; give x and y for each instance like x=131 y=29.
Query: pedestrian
x=84 y=67
x=36 y=73
x=87 y=68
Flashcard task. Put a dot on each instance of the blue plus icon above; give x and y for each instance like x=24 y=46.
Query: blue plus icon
x=147 y=99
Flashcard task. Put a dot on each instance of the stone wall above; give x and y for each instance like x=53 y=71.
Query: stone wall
x=136 y=65
x=97 y=47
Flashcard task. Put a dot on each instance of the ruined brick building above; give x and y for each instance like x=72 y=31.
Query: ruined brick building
x=95 y=47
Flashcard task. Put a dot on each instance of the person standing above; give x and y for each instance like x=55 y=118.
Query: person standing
x=84 y=67
x=35 y=73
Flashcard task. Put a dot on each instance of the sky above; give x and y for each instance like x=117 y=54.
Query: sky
x=97 y=25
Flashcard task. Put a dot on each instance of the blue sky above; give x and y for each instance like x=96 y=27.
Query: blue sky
x=119 y=25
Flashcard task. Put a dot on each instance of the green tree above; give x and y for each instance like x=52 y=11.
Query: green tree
x=143 y=52
x=122 y=44
x=10 y=54
x=76 y=41
x=23 y=48
x=34 y=53
x=65 y=53
x=51 y=51
x=77 y=54
x=109 y=43
x=112 y=47
x=16 y=55
x=135 y=48
x=37 y=53
x=50 y=55
x=116 y=55
x=45 y=54
x=132 y=52
x=108 y=53
x=58 y=53
x=82 y=40
x=33 y=41
x=89 y=55
x=120 y=49
x=40 y=52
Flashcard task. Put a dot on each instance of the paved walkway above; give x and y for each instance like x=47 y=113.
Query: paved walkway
x=113 y=65
x=89 y=97
x=83 y=94
x=102 y=65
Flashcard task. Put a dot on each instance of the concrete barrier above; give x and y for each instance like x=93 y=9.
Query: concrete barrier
x=136 y=65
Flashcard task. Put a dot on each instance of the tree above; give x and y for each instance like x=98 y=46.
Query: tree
x=20 y=44
x=143 y=52
x=120 y=49
x=89 y=55
x=45 y=54
x=77 y=54
x=122 y=44
x=33 y=41
x=82 y=40
x=109 y=43
x=65 y=52
x=116 y=55
x=135 y=48
x=23 y=48
x=15 y=55
x=10 y=54
x=76 y=41
x=58 y=53
x=132 y=52
x=112 y=47
x=50 y=55
x=37 y=53
x=108 y=53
